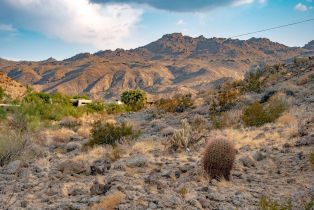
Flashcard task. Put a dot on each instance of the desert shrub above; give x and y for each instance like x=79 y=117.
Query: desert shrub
x=300 y=60
x=224 y=100
x=219 y=156
x=258 y=114
x=178 y=103
x=253 y=82
x=199 y=123
x=53 y=106
x=108 y=133
x=69 y=122
x=312 y=158
x=95 y=107
x=2 y=93
x=267 y=204
x=3 y=113
x=114 y=108
x=81 y=97
x=181 y=138
x=226 y=119
x=135 y=99
x=12 y=144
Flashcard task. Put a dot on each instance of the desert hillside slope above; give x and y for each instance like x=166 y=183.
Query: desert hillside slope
x=273 y=167
x=171 y=64
x=12 y=88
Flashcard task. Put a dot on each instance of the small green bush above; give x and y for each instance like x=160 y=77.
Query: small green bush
x=312 y=158
x=3 y=113
x=300 y=60
x=224 y=100
x=12 y=144
x=113 y=108
x=266 y=204
x=253 y=82
x=81 y=97
x=2 y=94
x=258 y=114
x=96 y=107
x=177 y=104
x=107 y=133
x=135 y=99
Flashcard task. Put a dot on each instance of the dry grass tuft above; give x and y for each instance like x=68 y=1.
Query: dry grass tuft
x=143 y=147
x=110 y=202
x=62 y=135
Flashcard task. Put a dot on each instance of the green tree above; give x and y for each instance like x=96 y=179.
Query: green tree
x=135 y=99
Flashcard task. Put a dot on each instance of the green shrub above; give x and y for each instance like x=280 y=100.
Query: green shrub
x=12 y=144
x=258 y=114
x=312 y=158
x=224 y=100
x=81 y=97
x=113 y=108
x=218 y=158
x=135 y=99
x=253 y=82
x=177 y=104
x=266 y=204
x=107 y=133
x=96 y=107
x=2 y=94
x=3 y=113
x=300 y=60
x=49 y=106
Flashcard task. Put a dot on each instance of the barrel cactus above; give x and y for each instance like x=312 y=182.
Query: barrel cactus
x=219 y=156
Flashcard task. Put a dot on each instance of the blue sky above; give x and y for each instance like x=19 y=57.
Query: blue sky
x=39 y=29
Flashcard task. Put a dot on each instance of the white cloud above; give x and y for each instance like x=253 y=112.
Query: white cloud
x=262 y=1
x=7 y=28
x=301 y=7
x=79 y=21
x=180 y=22
x=242 y=2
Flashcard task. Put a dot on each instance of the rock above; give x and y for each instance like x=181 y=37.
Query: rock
x=77 y=191
x=72 y=167
x=73 y=146
x=13 y=167
x=100 y=166
x=247 y=161
x=258 y=156
x=136 y=161
x=166 y=173
x=99 y=187
x=305 y=141
x=204 y=202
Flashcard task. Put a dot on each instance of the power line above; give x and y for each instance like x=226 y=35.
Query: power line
x=268 y=29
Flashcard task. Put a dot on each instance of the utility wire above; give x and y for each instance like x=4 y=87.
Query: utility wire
x=268 y=29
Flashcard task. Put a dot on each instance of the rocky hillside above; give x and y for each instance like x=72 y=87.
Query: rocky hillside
x=171 y=64
x=12 y=88
x=273 y=168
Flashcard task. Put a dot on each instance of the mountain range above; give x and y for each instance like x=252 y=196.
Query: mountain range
x=173 y=64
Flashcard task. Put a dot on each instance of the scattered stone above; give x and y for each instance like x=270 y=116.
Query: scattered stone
x=137 y=161
x=72 y=167
x=247 y=161
x=99 y=187
x=100 y=166
x=73 y=146
x=305 y=141
x=258 y=156
x=13 y=167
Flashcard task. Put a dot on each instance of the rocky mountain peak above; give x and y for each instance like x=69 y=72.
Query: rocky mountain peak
x=310 y=45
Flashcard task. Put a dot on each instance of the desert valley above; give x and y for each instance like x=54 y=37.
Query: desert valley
x=254 y=98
